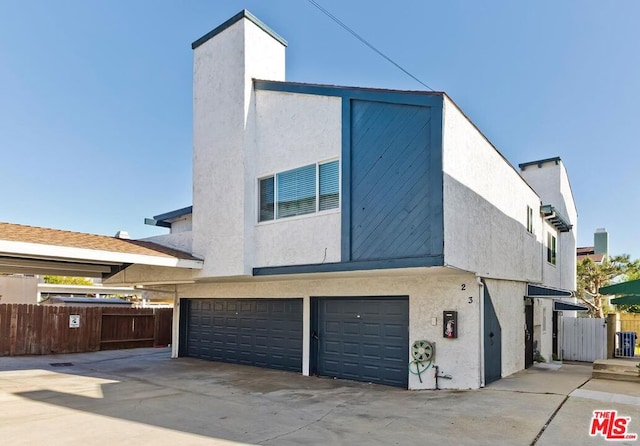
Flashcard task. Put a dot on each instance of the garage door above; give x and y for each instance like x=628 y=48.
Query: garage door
x=258 y=332
x=364 y=339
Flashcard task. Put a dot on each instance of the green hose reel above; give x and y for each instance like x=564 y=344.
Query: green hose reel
x=423 y=353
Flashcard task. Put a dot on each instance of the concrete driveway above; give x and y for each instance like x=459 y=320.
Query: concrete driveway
x=138 y=397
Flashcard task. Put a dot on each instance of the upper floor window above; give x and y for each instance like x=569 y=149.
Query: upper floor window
x=300 y=191
x=529 y=220
x=551 y=249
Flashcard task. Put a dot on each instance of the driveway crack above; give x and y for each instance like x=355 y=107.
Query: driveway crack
x=303 y=426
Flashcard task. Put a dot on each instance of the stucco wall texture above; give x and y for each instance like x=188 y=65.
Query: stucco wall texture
x=242 y=135
x=223 y=128
x=430 y=293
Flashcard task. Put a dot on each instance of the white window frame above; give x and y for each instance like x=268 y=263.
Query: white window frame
x=530 y=229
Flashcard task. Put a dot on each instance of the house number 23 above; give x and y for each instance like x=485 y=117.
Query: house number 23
x=463 y=287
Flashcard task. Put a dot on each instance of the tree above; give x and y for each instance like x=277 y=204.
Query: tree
x=65 y=280
x=592 y=276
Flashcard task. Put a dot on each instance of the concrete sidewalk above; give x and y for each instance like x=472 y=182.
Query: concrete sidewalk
x=143 y=397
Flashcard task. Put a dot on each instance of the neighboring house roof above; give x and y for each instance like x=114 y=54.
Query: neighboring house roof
x=588 y=252
x=52 y=251
x=585 y=250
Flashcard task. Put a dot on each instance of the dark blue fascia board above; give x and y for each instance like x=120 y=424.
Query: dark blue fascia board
x=174 y=214
x=539 y=163
x=426 y=98
x=152 y=222
x=162 y=220
x=350 y=266
x=244 y=14
x=345 y=166
x=437 y=180
x=566 y=306
x=545 y=291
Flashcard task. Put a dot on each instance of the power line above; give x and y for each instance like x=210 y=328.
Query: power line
x=363 y=40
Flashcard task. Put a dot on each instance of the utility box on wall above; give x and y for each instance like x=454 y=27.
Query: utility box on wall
x=450 y=324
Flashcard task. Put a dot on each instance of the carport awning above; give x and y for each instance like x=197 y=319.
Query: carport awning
x=630 y=287
x=559 y=305
x=545 y=291
x=630 y=299
x=33 y=250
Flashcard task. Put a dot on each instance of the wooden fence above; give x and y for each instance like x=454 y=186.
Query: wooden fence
x=48 y=329
x=631 y=322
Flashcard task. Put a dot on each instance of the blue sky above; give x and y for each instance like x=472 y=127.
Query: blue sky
x=96 y=117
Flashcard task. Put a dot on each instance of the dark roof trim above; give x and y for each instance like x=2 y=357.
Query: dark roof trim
x=554 y=217
x=539 y=163
x=559 y=305
x=164 y=220
x=545 y=291
x=244 y=14
x=174 y=214
x=350 y=266
x=338 y=90
x=91 y=300
x=152 y=222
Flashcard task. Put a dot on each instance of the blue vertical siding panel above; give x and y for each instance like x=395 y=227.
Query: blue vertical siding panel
x=395 y=204
x=345 y=188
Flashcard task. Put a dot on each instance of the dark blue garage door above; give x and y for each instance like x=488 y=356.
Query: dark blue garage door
x=364 y=339
x=258 y=332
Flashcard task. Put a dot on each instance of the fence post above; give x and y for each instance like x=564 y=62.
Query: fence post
x=611 y=334
x=13 y=329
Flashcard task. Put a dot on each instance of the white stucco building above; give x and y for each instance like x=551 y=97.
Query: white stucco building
x=341 y=226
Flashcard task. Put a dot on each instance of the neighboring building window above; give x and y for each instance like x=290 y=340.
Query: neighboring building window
x=296 y=191
x=551 y=249
x=529 y=220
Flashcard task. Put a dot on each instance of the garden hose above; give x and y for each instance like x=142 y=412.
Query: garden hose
x=423 y=353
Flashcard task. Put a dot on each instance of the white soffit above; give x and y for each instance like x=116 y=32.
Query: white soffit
x=83 y=255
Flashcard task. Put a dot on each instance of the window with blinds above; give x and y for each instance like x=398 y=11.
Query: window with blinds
x=300 y=191
x=329 y=185
x=296 y=191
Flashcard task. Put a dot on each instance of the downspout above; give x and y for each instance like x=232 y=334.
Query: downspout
x=481 y=380
x=175 y=336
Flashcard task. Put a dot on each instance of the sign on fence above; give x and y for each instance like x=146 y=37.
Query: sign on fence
x=27 y=329
x=74 y=321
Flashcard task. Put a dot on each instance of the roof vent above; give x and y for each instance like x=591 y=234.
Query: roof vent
x=124 y=235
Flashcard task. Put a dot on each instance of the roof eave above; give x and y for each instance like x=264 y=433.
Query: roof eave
x=554 y=217
x=73 y=254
